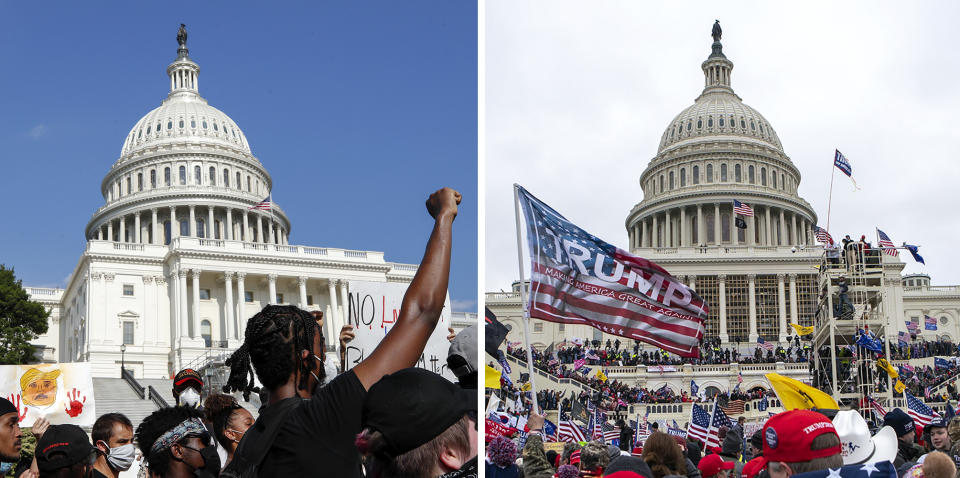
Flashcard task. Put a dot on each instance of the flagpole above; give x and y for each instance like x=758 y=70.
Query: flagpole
x=523 y=299
x=833 y=171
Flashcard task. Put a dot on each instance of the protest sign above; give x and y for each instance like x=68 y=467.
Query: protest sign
x=63 y=393
x=373 y=309
x=494 y=429
x=556 y=446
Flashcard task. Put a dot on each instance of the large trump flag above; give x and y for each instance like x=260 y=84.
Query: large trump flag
x=577 y=278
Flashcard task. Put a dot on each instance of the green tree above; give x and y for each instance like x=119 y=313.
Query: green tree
x=21 y=320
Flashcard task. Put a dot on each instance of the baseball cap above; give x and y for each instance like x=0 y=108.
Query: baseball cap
x=6 y=406
x=937 y=422
x=788 y=436
x=186 y=376
x=62 y=446
x=412 y=406
x=710 y=465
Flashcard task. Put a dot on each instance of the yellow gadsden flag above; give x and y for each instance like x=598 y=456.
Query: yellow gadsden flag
x=798 y=395
x=492 y=378
x=885 y=365
x=601 y=376
x=899 y=387
x=801 y=330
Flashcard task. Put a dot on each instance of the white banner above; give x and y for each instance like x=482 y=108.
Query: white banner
x=63 y=393
x=373 y=309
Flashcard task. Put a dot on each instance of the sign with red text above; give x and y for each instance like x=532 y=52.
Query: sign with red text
x=373 y=309
x=493 y=429
x=62 y=393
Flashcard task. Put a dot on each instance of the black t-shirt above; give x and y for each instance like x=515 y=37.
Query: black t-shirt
x=316 y=439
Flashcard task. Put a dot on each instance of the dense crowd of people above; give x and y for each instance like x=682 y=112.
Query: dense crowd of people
x=381 y=418
x=806 y=443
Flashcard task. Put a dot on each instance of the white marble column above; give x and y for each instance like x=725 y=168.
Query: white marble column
x=793 y=230
x=683 y=227
x=782 y=237
x=781 y=307
x=174 y=225
x=246 y=227
x=178 y=330
x=210 y=224
x=136 y=227
x=344 y=304
x=701 y=233
x=193 y=222
x=99 y=233
x=195 y=275
x=734 y=231
x=272 y=239
x=722 y=293
x=228 y=331
x=794 y=307
x=260 y=237
x=184 y=316
x=656 y=233
x=646 y=234
x=228 y=228
x=667 y=230
x=154 y=227
x=752 y=230
x=123 y=229
x=302 y=283
x=272 y=287
x=718 y=239
x=333 y=318
x=752 y=303
x=769 y=241
x=241 y=305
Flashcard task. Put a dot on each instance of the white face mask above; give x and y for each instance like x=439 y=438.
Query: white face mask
x=121 y=457
x=330 y=367
x=190 y=397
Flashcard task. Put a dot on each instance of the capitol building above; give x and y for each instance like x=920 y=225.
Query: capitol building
x=758 y=279
x=179 y=256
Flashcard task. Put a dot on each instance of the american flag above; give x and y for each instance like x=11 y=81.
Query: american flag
x=262 y=205
x=822 y=235
x=911 y=325
x=578 y=363
x=570 y=431
x=734 y=407
x=886 y=244
x=881 y=469
x=611 y=434
x=741 y=208
x=929 y=323
x=579 y=279
x=877 y=408
x=764 y=344
x=718 y=420
x=699 y=423
x=596 y=431
x=922 y=415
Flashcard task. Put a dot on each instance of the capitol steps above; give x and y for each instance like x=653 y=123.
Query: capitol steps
x=114 y=395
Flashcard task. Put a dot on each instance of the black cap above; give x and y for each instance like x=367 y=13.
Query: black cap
x=899 y=421
x=62 y=446
x=6 y=406
x=413 y=406
x=937 y=422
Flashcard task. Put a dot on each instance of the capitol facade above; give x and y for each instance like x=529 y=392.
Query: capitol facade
x=179 y=256
x=756 y=279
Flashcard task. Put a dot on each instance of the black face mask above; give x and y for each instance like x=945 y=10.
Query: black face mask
x=211 y=462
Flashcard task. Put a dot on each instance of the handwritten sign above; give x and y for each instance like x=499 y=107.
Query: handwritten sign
x=63 y=393
x=373 y=309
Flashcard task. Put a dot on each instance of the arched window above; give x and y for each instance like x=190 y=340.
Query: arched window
x=699 y=123
x=694 y=231
x=721 y=121
x=773 y=177
x=139 y=181
x=166 y=175
x=723 y=172
x=213 y=176
x=183 y=175
x=201 y=229
x=197 y=175
x=169 y=124
x=207 y=333
x=153 y=178
x=185 y=228
x=129 y=185
x=671 y=180
x=742 y=124
x=696 y=175
x=181 y=122
x=239 y=184
x=763 y=176
x=737 y=173
x=193 y=123
x=753 y=127
x=226 y=177
x=683 y=177
x=119 y=189
x=709 y=173
x=750 y=175
x=710 y=122
x=689 y=125
x=661 y=183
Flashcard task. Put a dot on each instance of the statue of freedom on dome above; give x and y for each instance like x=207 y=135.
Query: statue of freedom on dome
x=182 y=35
x=716 y=33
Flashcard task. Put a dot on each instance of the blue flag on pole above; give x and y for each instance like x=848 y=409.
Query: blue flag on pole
x=844 y=166
x=942 y=363
x=914 y=252
x=693 y=387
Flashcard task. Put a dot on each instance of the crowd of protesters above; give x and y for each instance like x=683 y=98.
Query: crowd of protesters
x=805 y=443
x=382 y=418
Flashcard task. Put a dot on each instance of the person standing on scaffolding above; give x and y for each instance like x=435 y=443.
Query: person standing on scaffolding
x=845 y=303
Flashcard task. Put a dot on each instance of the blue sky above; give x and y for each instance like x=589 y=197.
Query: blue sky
x=357 y=111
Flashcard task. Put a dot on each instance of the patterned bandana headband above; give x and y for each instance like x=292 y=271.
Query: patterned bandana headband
x=191 y=426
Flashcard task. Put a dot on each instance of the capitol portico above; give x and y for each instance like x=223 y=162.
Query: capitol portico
x=188 y=246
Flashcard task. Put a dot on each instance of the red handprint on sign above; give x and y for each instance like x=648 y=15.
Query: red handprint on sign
x=74 y=403
x=15 y=400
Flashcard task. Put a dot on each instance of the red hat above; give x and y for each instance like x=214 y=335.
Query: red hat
x=575 y=457
x=624 y=474
x=753 y=467
x=788 y=436
x=710 y=465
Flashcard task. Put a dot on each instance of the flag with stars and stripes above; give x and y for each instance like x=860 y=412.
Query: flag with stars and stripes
x=577 y=278
x=570 y=432
x=764 y=344
x=822 y=235
x=699 y=423
x=611 y=434
x=719 y=419
x=886 y=244
x=877 y=408
x=741 y=208
x=929 y=323
x=882 y=469
x=596 y=431
x=921 y=414
x=264 y=205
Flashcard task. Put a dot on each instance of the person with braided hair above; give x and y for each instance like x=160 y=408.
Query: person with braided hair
x=307 y=430
x=228 y=421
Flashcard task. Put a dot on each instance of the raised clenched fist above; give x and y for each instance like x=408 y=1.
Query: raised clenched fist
x=444 y=201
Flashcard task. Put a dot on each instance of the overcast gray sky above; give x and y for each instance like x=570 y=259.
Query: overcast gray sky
x=578 y=95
